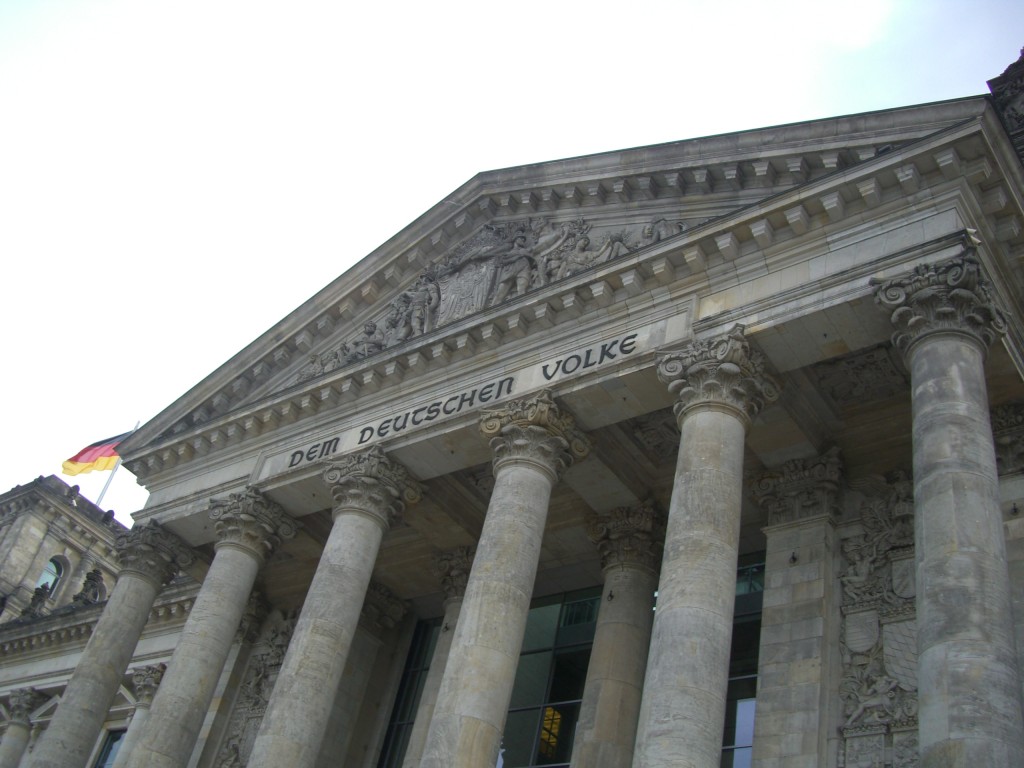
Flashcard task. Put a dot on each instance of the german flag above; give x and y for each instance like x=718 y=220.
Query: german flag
x=100 y=455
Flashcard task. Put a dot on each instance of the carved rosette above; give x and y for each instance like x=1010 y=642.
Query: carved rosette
x=382 y=608
x=372 y=483
x=629 y=536
x=801 y=488
x=153 y=553
x=23 y=702
x=452 y=567
x=723 y=371
x=146 y=680
x=252 y=522
x=948 y=297
x=537 y=431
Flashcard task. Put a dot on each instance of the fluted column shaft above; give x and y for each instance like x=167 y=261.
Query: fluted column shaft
x=19 y=726
x=149 y=558
x=453 y=569
x=368 y=489
x=969 y=685
x=146 y=681
x=630 y=543
x=532 y=441
x=249 y=527
x=720 y=385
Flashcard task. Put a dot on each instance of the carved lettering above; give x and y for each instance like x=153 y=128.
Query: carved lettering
x=589 y=357
x=296 y=458
x=365 y=434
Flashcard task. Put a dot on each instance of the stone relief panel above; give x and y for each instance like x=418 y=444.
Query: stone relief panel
x=878 y=688
x=254 y=692
x=497 y=264
x=1008 y=435
x=860 y=377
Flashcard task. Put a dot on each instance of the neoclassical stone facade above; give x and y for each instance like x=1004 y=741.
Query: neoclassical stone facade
x=709 y=453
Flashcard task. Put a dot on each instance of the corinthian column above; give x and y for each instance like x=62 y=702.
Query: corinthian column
x=145 y=680
x=452 y=568
x=249 y=527
x=533 y=441
x=149 y=557
x=629 y=540
x=15 y=738
x=720 y=385
x=969 y=688
x=368 y=490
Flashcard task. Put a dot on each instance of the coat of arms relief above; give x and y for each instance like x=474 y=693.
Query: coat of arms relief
x=879 y=632
x=499 y=263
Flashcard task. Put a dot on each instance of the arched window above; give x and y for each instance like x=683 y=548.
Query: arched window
x=51 y=575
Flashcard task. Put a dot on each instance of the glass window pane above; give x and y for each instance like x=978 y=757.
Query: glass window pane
x=569 y=675
x=541 y=624
x=531 y=684
x=737 y=758
x=557 y=727
x=520 y=731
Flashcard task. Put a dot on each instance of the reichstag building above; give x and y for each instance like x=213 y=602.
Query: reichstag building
x=702 y=454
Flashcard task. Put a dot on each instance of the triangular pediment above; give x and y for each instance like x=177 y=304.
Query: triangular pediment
x=440 y=289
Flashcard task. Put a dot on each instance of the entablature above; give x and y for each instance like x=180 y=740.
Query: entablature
x=875 y=192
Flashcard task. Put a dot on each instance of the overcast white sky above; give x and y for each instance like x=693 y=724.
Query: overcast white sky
x=175 y=177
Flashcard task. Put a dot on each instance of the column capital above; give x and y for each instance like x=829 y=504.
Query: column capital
x=801 y=488
x=153 y=553
x=629 y=536
x=372 y=483
x=723 y=371
x=534 y=430
x=23 y=702
x=252 y=522
x=452 y=567
x=146 y=680
x=950 y=296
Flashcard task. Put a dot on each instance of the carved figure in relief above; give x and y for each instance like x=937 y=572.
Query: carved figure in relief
x=877 y=700
x=514 y=270
x=422 y=300
x=370 y=343
x=658 y=230
x=863 y=556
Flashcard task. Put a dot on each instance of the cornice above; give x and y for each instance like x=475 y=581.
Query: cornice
x=841 y=188
x=69 y=627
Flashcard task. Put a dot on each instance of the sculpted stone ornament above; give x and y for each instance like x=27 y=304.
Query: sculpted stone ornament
x=497 y=264
x=373 y=482
x=150 y=551
x=801 y=488
x=252 y=521
x=879 y=689
x=452 y=567
x=37 y=605
x=534 y=429
x=629 y=536
x=146 y=680
x=1008 y=434
x=950 y=296
x=92 y=589
x=382 y=608
x=24 y=701
x=723 y=371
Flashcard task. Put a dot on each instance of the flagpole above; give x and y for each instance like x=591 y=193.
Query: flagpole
x=110 y=478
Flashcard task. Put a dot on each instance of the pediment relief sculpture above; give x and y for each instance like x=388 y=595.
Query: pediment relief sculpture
x=499 y=263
